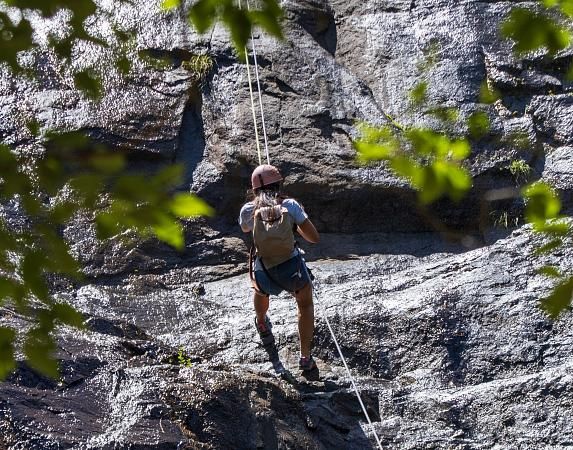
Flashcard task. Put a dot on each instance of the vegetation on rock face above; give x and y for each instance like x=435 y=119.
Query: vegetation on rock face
x=433 y=161
x=199 y=66
x=74 y=175
x=520 y=170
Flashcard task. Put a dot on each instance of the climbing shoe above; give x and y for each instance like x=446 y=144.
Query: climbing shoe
x=306 y=364
x=265 y=332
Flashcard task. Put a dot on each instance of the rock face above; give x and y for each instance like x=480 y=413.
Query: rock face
x=450 y=350
x=446 y=341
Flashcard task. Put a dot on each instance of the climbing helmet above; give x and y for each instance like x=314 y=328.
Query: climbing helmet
x=265 y=175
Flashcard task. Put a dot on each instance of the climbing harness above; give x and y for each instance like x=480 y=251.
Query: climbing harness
x=251 y=252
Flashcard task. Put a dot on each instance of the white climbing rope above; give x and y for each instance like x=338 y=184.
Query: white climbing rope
x=352 y=381
x=259 y=91
x=263 y=124
x=253 y=104
x=323 y=312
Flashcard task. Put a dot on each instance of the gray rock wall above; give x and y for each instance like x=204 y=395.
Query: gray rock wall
x=448 y=346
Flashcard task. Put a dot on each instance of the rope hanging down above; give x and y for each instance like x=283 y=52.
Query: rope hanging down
x=259 y=95
x=330 y=329
x=354 y=386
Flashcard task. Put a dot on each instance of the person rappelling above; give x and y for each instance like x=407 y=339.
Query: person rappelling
x=278 y=264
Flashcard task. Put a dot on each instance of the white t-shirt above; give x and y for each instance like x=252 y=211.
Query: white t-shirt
x=292 y=206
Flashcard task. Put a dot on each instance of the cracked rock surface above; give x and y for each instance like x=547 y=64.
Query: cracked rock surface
x=446 y=341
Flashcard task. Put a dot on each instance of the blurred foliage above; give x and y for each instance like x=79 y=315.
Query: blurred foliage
x=16 y=36
x=478 y=125
x=534 y=30
x=428 y=160
x=488 y=94
x=559 y=300
x=77 y=176
x=74 y=176
x=431 y=161
x=238 y=19
x=543 y=208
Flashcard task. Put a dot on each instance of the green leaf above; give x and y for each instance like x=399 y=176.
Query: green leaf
x=429 y=185
x=478 y=124
x=488 y=94
x=7 y=288
x=559 y=300
x=445 y=114
x=167 y=5
x=418 y=94
x=33 y=127
x=269 y=20
x=569 y=74
x=57 y=253
x=407 y=168
x=542 y=202
x=239 y=25
x=531 y=31
x=372 y=152
x=459 y=182
x=13 y=40
x=550 y=271
x=566 y=6
x=89 y=83
x=136 y=188
x=65 y=144
x=63 y=211
x=67 y=315
x=7 y=361
x=202 y=15
x=168 y=177
x=107 y=162
x=32 y=274
x=39 y=348
x=460 y=149
x=169 y=231
x=549 y=247
x=553 y=227
x=106 y=225
x=31 y=204
x=62 y=48
x=187 y=205
x=14 y=182
x=124 y=65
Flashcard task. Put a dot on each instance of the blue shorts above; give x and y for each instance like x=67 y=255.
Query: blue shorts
x=292 y=276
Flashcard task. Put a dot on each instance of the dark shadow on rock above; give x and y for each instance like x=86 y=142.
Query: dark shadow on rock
x=311 y=375
x=27 y=377
x=318 y=20
x=191 y=145
x=453 y=336
x=116 y=328
x=337 y=417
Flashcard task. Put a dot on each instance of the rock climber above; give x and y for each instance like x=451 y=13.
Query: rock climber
x=278 y=265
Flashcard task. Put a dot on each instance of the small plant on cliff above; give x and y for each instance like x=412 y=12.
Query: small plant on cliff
x=183 y=358
x=520 y=170
x=199 y=66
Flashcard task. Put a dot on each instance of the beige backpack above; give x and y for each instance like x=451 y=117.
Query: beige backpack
x=273 y=235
